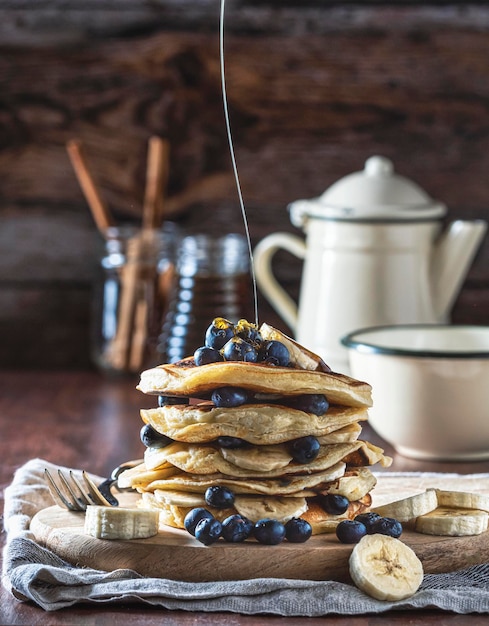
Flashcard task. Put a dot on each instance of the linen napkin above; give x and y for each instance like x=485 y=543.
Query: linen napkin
x=34 y=573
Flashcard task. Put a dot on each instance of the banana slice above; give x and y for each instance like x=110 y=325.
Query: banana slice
x=452 y=522
x=119 y=523
x=299 y=356
x=281 y=509
x=463 y=500
x=385 y=568
x=410 y=508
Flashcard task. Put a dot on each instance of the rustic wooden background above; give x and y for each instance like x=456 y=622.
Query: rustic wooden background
x=315 y=87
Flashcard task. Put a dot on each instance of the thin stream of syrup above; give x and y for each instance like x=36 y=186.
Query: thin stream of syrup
x=233 y=158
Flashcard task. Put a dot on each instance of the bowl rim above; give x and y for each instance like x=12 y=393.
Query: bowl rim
x=365 y=346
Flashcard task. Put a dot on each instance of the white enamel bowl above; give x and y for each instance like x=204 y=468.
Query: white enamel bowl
x=430 y=387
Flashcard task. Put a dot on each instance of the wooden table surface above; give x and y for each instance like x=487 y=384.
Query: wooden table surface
x=82 y=419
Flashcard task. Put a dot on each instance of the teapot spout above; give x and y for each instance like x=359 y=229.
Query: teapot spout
x=453 y=255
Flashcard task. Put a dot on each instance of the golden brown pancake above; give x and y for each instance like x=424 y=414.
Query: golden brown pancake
x=186 y=379
x=208 y=459
x=255 y=423
x=254 y=509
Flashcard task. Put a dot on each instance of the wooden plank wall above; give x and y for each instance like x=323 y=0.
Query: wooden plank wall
x=314 y=87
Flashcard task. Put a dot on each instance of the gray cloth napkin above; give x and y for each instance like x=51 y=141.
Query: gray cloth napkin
x=34 y=573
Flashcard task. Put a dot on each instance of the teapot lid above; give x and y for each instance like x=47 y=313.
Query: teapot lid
x=376 y=193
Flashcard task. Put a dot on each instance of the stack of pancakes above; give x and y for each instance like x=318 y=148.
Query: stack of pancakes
x=265 y=479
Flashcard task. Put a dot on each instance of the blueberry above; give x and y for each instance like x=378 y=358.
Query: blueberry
x=236 y=528
x=194 y=516
x=219 y=497
x=310 y=403
x=297 y=530
x=248 y=331
x=206 y=355
x=367 y=519
x=208 y=531
x=350 y=531
x=231 y=442
x=387 y=526
x=269 y=531
x=274 y=353
x=237 y=349
x=229 y=396
x=171 y=400
x=334 y=504
x=151 y=437
x=305 y=449
x=219 y=332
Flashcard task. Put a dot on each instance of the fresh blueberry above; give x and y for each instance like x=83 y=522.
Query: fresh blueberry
x=269 y=531
x=387 y=526
x=219 y=497
x=205 y=355
x=315 y=403
x=368 y=520
x=218 y=333
x=297 y=530
x=151 y=437
x=208 y=531
x=231 y=442
x=350 y=531
x=236 y=528
x=248 y=331
x=171 y=400
x=194 y=516
x=237 y=349
x=334 y=504
x=305 y=449
x=229 y=396
x=274 y=353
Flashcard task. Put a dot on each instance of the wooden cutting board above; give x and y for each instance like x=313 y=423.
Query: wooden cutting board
x=177 y=555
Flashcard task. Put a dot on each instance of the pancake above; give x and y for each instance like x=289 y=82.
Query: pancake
x=353 y=484
x=208 y=459
x=255 y=423
x=315 y=483
x=323 y=522
x=281 y=509
x=184 y=378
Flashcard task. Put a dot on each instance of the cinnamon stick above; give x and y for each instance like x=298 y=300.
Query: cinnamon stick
x=100 y=212
x=156 y=182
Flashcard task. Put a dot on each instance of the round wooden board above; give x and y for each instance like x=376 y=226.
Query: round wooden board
x=177 y=555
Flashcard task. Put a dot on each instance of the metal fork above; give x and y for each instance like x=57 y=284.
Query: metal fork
x=74 y=494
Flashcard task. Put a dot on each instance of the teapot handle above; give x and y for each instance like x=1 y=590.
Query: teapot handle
x=274 y=293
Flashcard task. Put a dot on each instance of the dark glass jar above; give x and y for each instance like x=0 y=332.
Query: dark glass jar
x=131 y=298
x=212 y=279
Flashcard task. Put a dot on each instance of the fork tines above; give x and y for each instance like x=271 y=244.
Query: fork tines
x=69 y=493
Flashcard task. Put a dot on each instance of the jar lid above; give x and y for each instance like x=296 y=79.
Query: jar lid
x=374 y=193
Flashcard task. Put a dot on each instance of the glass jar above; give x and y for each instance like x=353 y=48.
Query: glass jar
x=131 y=298
x=212 y=279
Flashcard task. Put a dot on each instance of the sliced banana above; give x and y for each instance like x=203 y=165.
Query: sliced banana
x=385 y=568
x=119 y=523
x=281 y=509
x=409 y=508
x=299 y=356
x=463 y=500
x=259 y=458
x=452 y=522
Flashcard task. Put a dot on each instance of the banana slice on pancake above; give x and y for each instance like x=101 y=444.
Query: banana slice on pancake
x=184 y=378
x=299 y=356
x=279 y=508
x=255 y=423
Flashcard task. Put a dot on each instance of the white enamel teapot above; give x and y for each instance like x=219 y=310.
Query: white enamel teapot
x=375 y=254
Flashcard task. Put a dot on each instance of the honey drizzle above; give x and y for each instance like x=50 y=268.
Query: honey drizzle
x=233 y=159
